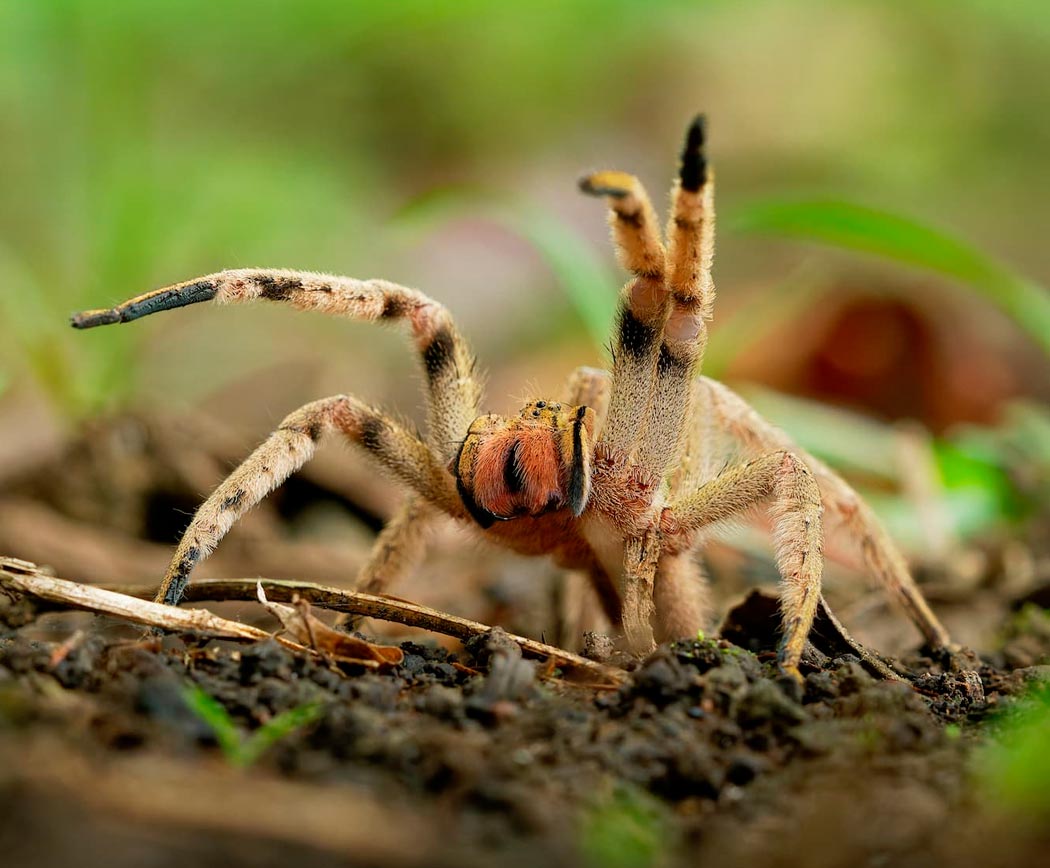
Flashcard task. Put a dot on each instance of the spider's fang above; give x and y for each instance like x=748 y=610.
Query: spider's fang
x=693 y=173
x=482 y=516
x=579 y=477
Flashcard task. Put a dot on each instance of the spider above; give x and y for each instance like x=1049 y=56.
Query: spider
x=618 y=480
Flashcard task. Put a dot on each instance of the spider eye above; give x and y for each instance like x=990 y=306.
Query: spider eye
x=536 y=413
x=540 y=405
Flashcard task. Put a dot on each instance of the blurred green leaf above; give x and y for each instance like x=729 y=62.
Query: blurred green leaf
x=1015 y=769
x=590 y=286
x=628 y=829
x=976 y=466
x=893 y=236
x=845 y=439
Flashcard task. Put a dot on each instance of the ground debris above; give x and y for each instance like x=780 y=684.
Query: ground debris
x=508 y=757
x=330 y=643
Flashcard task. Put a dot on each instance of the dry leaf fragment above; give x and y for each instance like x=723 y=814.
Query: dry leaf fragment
x=311 y=631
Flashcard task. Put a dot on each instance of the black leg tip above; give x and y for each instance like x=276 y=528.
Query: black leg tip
x=90 y=318
x=693 y=174
x=598 y=185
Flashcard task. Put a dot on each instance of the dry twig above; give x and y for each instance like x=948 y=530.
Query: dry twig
x=127 y=602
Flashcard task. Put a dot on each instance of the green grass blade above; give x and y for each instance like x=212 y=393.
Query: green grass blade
x=238 y=749
x=899 y=238
x=625 y=829
x=591 y=287
x=212 y=712
x=271 y=732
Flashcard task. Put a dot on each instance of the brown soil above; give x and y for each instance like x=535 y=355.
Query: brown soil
x=705 y=755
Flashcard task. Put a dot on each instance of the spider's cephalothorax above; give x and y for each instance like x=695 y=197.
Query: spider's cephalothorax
x=536 y=462
x=619 y=481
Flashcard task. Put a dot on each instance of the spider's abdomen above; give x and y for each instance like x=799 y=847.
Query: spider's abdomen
x=535 y=463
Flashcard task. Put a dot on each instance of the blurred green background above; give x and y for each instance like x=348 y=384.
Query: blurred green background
x=883 y=198
x=882 y=256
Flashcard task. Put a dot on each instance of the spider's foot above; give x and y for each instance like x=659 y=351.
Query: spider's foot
x=167 y=298
x=790 y=670
x=640 y=643
x=615 y=184
x=693 y=172
x=88 y=319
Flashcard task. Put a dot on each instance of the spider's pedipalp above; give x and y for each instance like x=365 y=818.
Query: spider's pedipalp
x=589 y=387
x=453 y=390
x=798 y=533
x=284 y=452
x=641 y=556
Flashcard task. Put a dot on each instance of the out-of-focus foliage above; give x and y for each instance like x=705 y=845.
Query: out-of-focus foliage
x=626 y=829
x=142 y=143
x=580 y=274
x=985 y=478
x=853 y=226
x=1015 y=768
x=147 y=143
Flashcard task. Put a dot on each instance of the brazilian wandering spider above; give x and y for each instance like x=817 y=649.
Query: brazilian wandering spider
x=619 y=480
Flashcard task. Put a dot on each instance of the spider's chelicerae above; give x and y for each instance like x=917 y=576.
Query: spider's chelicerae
x=619 y=479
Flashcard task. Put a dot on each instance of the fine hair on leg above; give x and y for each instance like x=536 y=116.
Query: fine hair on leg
x=681 y=596
x=453 y=389
x=285 y=451
x=797 y=532
x=734 y=418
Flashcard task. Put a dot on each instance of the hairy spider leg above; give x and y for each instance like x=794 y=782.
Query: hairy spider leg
x=681 y=595
x=642 y=306
x=690 y=251
x=286 y=450
x=797 y=533
x=453 y=389
x=732 y=416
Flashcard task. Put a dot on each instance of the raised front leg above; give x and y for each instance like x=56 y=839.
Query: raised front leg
x=453 y=391
x=690 y=252
x=643 y=306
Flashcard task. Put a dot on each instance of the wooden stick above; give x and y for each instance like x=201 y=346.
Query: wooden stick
x=25 y=578
x=130 y=602
x=382 y=608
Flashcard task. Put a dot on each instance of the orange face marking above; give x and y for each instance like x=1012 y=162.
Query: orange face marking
x=534 y=463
